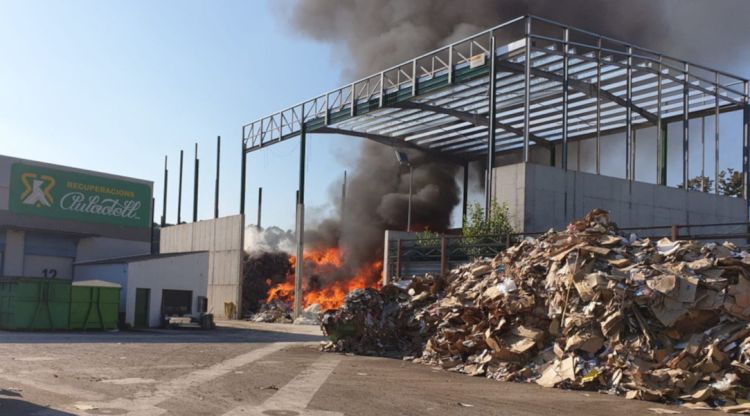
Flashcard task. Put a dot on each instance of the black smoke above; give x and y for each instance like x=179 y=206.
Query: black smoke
x=370 y=35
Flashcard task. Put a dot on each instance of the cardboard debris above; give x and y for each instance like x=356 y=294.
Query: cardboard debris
x=585 y=308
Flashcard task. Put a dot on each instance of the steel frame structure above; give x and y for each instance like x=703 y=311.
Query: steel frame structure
x=528 y=82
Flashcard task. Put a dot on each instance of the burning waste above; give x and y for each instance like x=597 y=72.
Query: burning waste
x=585 y=308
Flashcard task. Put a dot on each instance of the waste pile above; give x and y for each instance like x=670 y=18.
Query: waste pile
x=274 y=311
x=585 y=308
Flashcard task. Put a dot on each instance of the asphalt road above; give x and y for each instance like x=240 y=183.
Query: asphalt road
x=254 y=369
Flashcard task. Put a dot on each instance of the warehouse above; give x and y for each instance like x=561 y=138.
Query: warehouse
x=53 y=216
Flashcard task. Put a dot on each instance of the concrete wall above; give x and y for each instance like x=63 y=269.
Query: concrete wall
x=542 y=197
x=101 y=248
x=223 y=239
x=115 y=273
x=13 y=255
x=186 y=272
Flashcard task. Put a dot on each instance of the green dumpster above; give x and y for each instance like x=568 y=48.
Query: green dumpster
x=34 y=304
x=94 y=304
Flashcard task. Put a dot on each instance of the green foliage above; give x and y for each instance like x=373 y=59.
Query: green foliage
x=731 y=182
x=699 y=183
x=477 y=227
x=427 y=238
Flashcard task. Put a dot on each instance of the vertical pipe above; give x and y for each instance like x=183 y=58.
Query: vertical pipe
x=566 y=37
x=411 y=183
x=243 y=174
x=716 y=136
x=195 y=185
x=465 y=199
x=299 y=269
x=381 y=99
x=179 y=193
x=686 y=129
x=598 y=105
x=492 y=103
x=629 y=118
x=218 y=166
x=353 y=102
x=164 y=198
x=527 y=91
x=260 y=205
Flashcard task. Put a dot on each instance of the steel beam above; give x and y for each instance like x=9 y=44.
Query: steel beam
x=717 y=131
x=589 y=90
x=391 y=141
x=475 y=119
x=565 y=84
x=465 y=198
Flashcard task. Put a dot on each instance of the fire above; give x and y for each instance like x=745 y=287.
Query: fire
x=322 y=263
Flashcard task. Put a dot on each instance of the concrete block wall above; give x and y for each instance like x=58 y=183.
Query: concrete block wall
x=223 y=239
x=542 y=197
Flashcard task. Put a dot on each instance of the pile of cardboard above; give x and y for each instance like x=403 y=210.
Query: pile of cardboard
x=585 y=308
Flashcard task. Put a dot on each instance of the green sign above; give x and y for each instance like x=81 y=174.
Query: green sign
x=53 y=193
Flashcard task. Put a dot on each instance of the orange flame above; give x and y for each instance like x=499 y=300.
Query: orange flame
x=331 y=295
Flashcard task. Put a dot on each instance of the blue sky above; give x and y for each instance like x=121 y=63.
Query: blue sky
x=114 y=86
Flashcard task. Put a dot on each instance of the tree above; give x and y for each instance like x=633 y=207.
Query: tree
x=731 y=182
x=477 y=227
x=699 y=183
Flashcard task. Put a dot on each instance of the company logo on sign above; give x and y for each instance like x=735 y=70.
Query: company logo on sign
x=37 y=189
x=54 y=193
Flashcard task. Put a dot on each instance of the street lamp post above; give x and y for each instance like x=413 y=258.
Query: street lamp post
x=403 y=160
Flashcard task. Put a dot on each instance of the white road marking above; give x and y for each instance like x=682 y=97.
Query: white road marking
x=293 y=398
x=145 y=403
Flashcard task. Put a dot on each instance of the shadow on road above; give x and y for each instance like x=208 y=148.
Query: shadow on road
x=19 y=407
x=217 y=336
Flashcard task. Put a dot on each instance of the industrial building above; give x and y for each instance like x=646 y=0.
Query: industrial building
x=54 y=216
x=563 y=120
x=63 y=223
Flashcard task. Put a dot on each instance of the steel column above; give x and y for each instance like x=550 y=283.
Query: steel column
x=598 y=105
x=703 y=154
x=343 y=201
x=746 y=142
x=411 y=184
x=299 y=265
x=218 y=170
x=465 y=198
x=195 y=185
x=686 y=129
x=566 y=36
x=260 y=205
x=243 y=174
x=527 y=92
x=491 y=127
x=179 y=192
x=164 y=198
x=661 y=148
x=629 y=118
x=716 y=136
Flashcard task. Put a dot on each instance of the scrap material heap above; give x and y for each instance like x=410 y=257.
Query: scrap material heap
x=585 y=308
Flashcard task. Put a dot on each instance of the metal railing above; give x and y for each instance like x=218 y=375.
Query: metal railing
x=439 y=254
